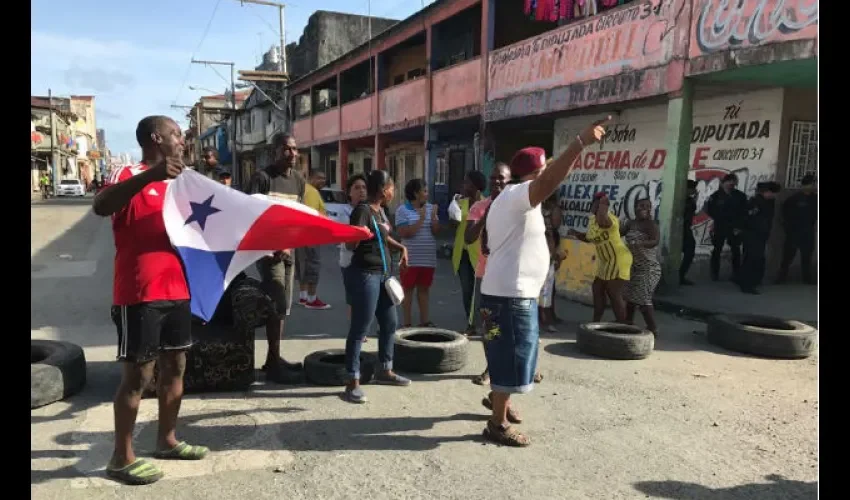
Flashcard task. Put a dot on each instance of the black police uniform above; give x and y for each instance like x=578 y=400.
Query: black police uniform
x=800 y=216
x=756 y=232
x=728 y=212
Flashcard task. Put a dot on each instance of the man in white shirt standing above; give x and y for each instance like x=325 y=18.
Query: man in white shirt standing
x=516 y=270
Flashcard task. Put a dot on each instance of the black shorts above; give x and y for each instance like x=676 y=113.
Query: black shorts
x=150 y=327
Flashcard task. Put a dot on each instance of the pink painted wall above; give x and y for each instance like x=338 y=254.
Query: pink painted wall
x=457 y=86
x=718 y=25
x=403 y=102
x=357 y=115
x=326 y=125
x=301 y=130
x=637 y=36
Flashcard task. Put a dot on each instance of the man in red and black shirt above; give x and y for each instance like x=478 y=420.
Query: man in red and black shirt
x=150 y=298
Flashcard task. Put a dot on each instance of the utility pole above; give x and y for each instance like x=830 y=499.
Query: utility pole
x=281 y=18
x=236 y=171
x=197 y=109
x=52 y=140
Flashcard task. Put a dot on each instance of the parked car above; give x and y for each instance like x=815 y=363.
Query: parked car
x=71 y=187
x=335 y=202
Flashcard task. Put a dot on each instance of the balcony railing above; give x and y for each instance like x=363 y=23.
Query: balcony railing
x=457 y=86
x=357 y=115
x=404 y=103
x=326 y=125
x=302 y=130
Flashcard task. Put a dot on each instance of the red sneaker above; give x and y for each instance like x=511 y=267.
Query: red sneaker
x=302 y=302
x=317 y=304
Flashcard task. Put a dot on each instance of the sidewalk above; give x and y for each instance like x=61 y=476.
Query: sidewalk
x=791 y=301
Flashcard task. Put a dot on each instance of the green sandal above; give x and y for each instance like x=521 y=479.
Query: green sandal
x=139 y=472
x=182 y=451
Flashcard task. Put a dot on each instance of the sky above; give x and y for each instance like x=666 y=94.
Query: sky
x=134 y=57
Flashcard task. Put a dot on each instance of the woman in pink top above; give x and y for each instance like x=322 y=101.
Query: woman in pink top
x=477 y=219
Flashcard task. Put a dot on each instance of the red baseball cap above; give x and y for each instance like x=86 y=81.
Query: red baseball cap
x=527 y=161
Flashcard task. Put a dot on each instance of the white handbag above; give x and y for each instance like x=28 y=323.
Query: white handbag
x=394 y=290
x=455 y=213
x=391 y=284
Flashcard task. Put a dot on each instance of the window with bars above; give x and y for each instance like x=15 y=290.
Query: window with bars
x=802 y=152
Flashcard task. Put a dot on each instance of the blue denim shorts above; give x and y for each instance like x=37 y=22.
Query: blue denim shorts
x=511 y=332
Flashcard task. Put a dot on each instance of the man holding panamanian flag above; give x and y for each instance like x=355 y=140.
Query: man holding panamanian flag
x=166 y=219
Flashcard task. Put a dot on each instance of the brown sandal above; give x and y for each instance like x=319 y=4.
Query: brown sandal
x=507 y=436
x=513 y=416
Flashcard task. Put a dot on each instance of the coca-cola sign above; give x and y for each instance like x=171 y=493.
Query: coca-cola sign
x=734 y=24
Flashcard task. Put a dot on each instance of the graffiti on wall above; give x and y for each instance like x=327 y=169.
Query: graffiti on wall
x=626 y=170
x=725 y=24
x=621 y=87
x=634 y=37
x=737 y=135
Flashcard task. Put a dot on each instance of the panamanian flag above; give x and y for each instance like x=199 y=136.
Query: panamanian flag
x=219 y=231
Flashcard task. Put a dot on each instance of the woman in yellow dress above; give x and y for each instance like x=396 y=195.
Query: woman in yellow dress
x=614 y=260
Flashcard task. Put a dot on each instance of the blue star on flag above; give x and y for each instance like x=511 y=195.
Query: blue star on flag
x=200 y=212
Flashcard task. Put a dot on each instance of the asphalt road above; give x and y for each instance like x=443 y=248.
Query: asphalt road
x=690 y=422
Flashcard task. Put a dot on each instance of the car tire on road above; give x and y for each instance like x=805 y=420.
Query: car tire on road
x=615 y=340
x=57 y=371
x=762 y=336
x=327 y=367
x=429 y=350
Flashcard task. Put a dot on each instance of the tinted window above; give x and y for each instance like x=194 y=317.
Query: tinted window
x=70 y=182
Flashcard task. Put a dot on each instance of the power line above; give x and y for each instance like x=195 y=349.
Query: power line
x=225 y=80
x=258 y=16
x=195 y=52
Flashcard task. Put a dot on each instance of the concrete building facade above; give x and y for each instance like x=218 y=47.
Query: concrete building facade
x=205 y=118
x=697 y=88
x=327 y=36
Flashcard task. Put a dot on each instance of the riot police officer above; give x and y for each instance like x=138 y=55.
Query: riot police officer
x=727 y=207
x=800 y=217
x=755 y=232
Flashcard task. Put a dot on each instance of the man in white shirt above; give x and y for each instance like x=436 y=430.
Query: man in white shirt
x=516 y=270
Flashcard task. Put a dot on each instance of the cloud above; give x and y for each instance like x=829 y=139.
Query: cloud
x=49 y=45
x=111 y=69
x=97 y=79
